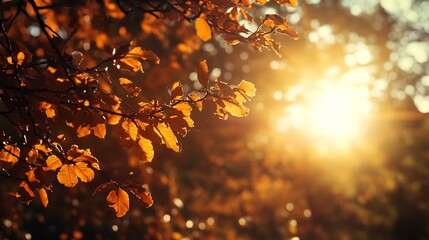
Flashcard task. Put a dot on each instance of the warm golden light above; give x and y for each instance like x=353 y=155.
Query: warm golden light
x=333 y=111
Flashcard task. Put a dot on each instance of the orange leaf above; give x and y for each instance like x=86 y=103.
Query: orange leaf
x=31 y=176
x=168 y=136
x=67 y=175
x=203 y=73
x=176 y=91
x=99 y=130
x=83 y=172
x=10 y=154
x=120 y=201
x=52 y=163
x=32 y=156
x=43 y=196
x=80 y=155
x=147 y=148
x=142 y=194
x=203 y=29
x=20 y=58
x=83 y=131
x=131 y=129
x=42 y=148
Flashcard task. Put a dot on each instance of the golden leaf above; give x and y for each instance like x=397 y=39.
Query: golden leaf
x=49 y=110
x=142 y=194
x=42 y=148
x=80 y=155
x=176 y=91
x=99 y=130
x=83 y=172
x=235 y=109
x=52 y=163
x=43 y=196
x=247 y=87
x=143 y=54
x=119 y=200
x=32 y=156
x=31 y=176
x=196 y=100
x=134 y=63
x=10 y=154
x=83 y=131
x=147 y=148
x=9 y=60
x=20 y=58
x=184 y=107
x=113 y=119
x=168 y=137
x=67 y=175
x=203 y=29
x=131 y=129
x=124 y=81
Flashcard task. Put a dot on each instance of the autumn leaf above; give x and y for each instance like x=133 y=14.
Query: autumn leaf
x=32 y=156
x=67 y=175
x=52 y=163
x=19 y=59
x=142 y=194
x=31 y=176
x=168 y=137
x=119 y=200
x=99 y=130
x=49 y=110
x=203 y=73
x=176 y=91
x=42 y=147
x=10 y=154
x=236 y=110
x=203 y=29
x=83 y=131
x=24 y=193
x=133 y=56
x=247 y=87
x=80 y=155
x=131 y=129
x=147 y=148
x=43 y=196
x=83 y=172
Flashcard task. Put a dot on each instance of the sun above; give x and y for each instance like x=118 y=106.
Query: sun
x=335 y=111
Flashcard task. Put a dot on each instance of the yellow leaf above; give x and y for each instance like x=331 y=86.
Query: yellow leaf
x=43 y=196
x=83 y=172
x=20 y=58
x=100 y=130
x=247 y=87
x=124 y=81
x=67 y=175
x=10 y=154
x=131 y=129
x=168 y=136
x=184 y=107
x=119 y=200
x=147 y=148
x=52 y=163
x=83 y=131
x=203 y=29
x=134 y=63
x=293 y=3
x=235 y=109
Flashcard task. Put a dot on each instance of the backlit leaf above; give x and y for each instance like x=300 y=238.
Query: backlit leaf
x=203 y=29
x=203 y=73
x=83 y=131
x=235 y=109
x=10 y=154
x=67 y=175
x=52 y=163
x=119 y=200
x=99 y=130
x=83 y=172
x=43 y=196
x=131 y=129
x=176 y=91
x=147 y=148
x=32 y=156
x=20 y=58
x=142 y=194
x=168 y=137
x=247 y=87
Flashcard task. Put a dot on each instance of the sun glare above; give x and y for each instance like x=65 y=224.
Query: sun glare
x=328 y=111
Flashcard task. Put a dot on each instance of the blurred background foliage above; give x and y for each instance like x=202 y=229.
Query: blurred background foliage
x=335 y=146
